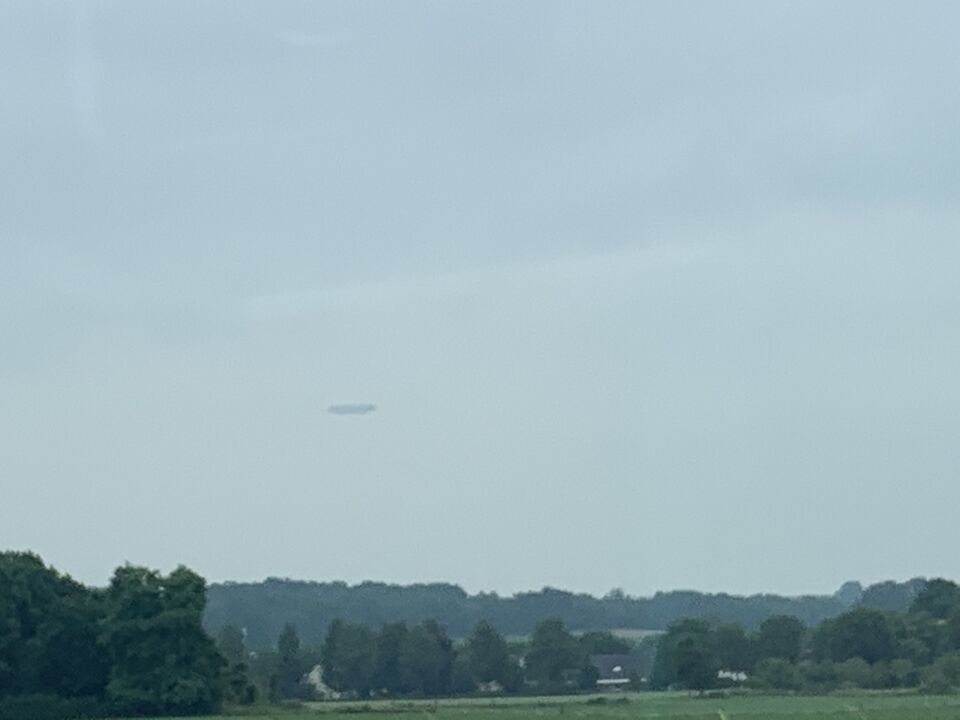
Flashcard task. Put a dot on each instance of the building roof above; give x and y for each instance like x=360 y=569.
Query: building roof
x=615 y=667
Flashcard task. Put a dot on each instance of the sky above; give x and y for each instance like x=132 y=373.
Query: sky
x=506 y=294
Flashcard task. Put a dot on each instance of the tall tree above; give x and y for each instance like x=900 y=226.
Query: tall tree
x=553 y=652
x=231 y=644
x=388 y=672
x=488 y=655
x=780 y=636
x=426 y=659
x=48 y=631
x=734 y=649
x=285 y=682
x=162 y=661
x=695 y=663
x=939 y=597
x=858 y=633
x=349 y=654
x=696 y=637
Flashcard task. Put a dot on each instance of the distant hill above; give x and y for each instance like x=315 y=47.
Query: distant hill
x=263 y=608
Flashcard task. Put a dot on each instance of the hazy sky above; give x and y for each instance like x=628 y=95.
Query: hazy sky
x=645 y=295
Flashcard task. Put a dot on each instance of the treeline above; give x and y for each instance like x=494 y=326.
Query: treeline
x=139 y=647
x=400 y=660
x=136 y=647
x=862 y=647
x=264 y=608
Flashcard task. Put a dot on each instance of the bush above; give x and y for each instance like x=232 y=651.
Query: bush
x=855 y=673
x=777 y=674
x=820 y=676
x=944 y=675
x=51 y=707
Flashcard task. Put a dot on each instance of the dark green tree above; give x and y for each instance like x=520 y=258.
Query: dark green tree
x=426 y=660
x=49 y=640
x=349 y=655
x=695 y=662
x=733 y=647
x=488 y=654
x=162 y=661
x=776 y=673
x=237 y=685
x=859 y=633
x=285 y=682
x=939 y=598
x=388 y=673
x=602 y=642
x=553 y=653
x=231 y=645
x=890 y=596
x=666 y=663
x=780 y=636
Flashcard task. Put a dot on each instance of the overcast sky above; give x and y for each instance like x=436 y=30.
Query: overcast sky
x=644 y=295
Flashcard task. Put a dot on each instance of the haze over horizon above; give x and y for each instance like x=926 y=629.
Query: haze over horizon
x=643 y=296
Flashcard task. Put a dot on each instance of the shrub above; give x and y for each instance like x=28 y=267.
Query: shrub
x=51 y=707
x=777 y=674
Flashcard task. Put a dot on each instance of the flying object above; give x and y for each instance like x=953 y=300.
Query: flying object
x=352 y=409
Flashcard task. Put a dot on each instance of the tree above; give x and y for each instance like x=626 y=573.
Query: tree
x=939 y=598
x=285 y=682
x=864 y=633
x=780 y=636
x=697 y=636
x=734 y=650
x=695 y=663
x=49 y=640
x=777 y=673
x=388 y=674
x=349 y=654
x=231 y=645
x=553 y=651
x=943 y=676
x=426 y=659
x=602 y=642
x=922 y=637
x=855 y=672
x=162 y=661
x=237 y=686
x=890 y=596
x=488 y=655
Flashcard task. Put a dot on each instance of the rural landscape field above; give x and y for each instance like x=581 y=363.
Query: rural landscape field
x=641 y=706
x=480 y=359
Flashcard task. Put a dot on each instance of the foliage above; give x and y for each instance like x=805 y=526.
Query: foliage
x=553 y=653
x=137 y=647
x=602 y=642
x=777 y=673
x=231 y=645
x=890 y=596
x=939 y=597
x=263 y=608
x=162 y=662
x=686 y=656
x=734 y=648
x=48 y=631
x=858 y=633
x=780 y=636
x=426 y=657
x=489 y=656
x=290 y=667
x=349 y=653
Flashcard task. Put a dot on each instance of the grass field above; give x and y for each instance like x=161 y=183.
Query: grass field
x=663 y=706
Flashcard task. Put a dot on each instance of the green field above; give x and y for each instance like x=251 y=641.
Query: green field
x=865 y=706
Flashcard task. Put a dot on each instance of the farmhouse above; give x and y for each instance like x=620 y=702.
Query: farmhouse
x=615 y=671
